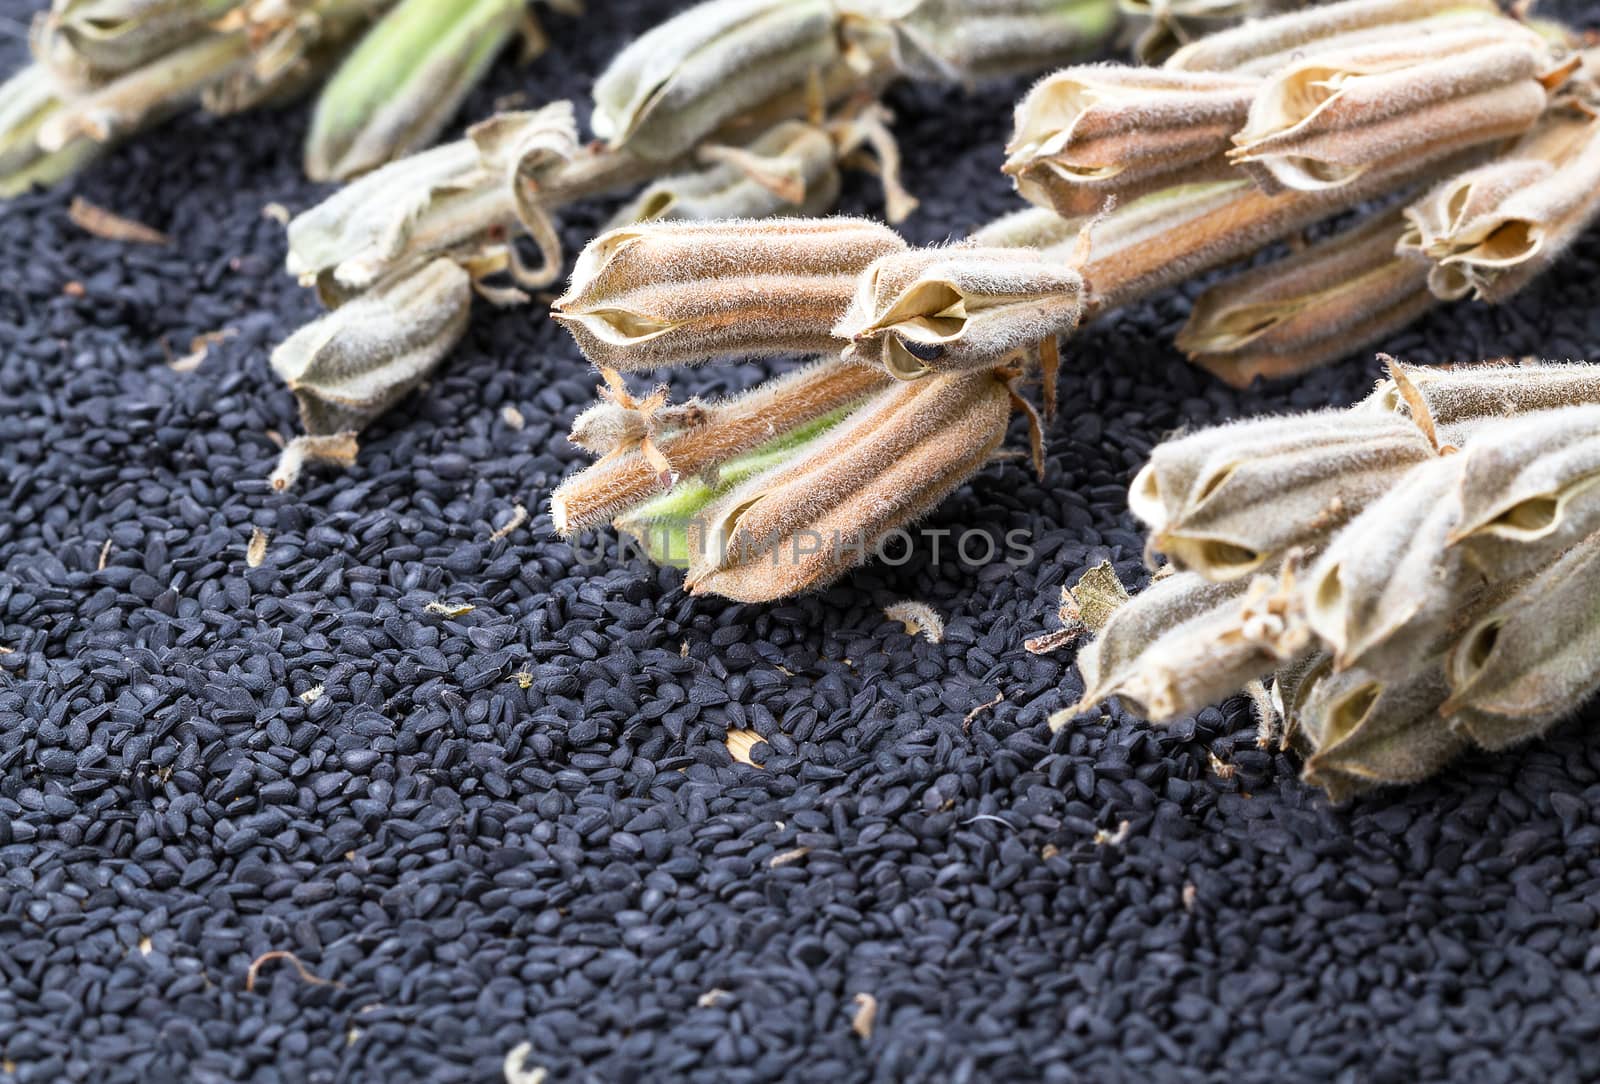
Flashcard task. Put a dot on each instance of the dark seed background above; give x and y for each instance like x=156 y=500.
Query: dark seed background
x=465 y=865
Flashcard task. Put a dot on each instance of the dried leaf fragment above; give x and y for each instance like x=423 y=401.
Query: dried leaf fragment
x=95 y=219
x=917 y=617
x=740 y=743
x=256 y=552
x=865 y=1016
x=339 y=449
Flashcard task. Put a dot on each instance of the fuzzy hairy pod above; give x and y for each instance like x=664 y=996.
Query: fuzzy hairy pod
x=91 y=41
x=1167 y=605
x=981 y=39
x=1327 y=120
x=724 y=431
x=1032 y=227
x=671 y=293
x=400 y=86
x=27 y=101
x=1090 y=133
x=1534 y=657
x=1450 y=404
x=1226 y=501
x=803 y=525
x=962 y=307
x=1530 y=489
x=1264 y=46
x=1323 y=302
x=1386 y=589
x=708 y=66
x=452 y=200
x=291 y=45
x=1161 y=27
x=353 y=364
x=1206 y=656
x=792 y=169
x=1367 y=730
x=1490 y=231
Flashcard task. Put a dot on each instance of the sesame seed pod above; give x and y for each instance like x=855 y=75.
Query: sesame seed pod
x=1489 y=232
x=962 y=307
x=451 y=200
x=1367 y=730
x=671 y=293
x=792 y=169
x=356 y=362
x=1388 y=585
x=91 y=41
x=687 y=77
x=1461 y=399
x=1530 y=489
x=1325 y=121
x=27 y=100
x=1089 y=133
x=1534 y=657
x=726 y=430
x=982 y=39
x=1226 y=501
x=291 y=46
x=400 y=86
x=1166 y=606
x=1263 y=46
x=1318 y=304
x=803 y=525
x=1161 y=27
x=1032 y=227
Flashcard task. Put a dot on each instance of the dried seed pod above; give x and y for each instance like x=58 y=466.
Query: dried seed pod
x=671 y=528
x=1263 y=46
x=1168 y=605
x=689 y=76
x=1459 y=400
x=980 y=39
x=1089 y=133
x=354 y=363
x=1383 y=592
x=1226 y=501
x=1207 y=656
x=1324 y=302
x=1367 y=730
x=805 y=524
x=669 y=293
x=458 y=199
x=400 y=86
x=91 y=41
x=1530 y=489
x=1533 y=658
x=292 y=44
x=1327 y=120
x=1490 y=231
x=724 y=431
x=792 y=169
x=27 y=101
x=944 y=309
x=1163 y=26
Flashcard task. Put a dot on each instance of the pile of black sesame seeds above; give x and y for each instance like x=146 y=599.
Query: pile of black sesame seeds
x=312 y=819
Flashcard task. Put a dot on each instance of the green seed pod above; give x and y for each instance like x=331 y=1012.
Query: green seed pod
x=1226 y=501
x=803 y=525
x=963 y=307
x=1386 y=589
x=1090 y=133
x=981 y=39
x=791 y=170
x=456 y=200
x=1367 y=730
x=290 y=46
x=681 y=81
x=1325 y=121
x=1032 y=227
x=1323 y=302
x=1530 y=489
x=353 y=364
x=91 y=41
x=400 y=86
x=1264 y=46
x=671 y=293
x=1534 y=657
x=27 y=100
x=1492 y=230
